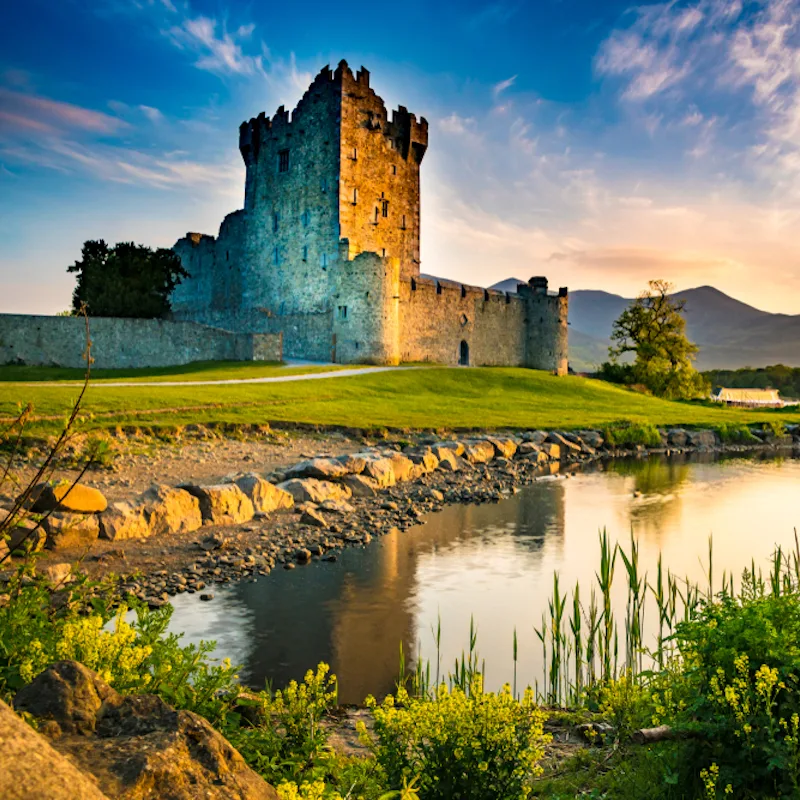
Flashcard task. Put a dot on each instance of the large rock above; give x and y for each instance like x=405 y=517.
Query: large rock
x=265 y=496
x=354 y=463
x=404 y=468
x=64 y=530
x=311 y=490
x=552 y=451
x=479 y=452
x=325 y=469
x=537 y=437
x=426 y=459
x=63 y=496
x=24 y=533
x=503 y=446
x=677 y=437
x=222 y=503
x=702 y=438
x=456 y=447
x=124 y=521
x=592 y=438
x=361 y=485
x=448 y=460
x=32 y=769
x=136 y=747
x=170 y=510
x=380 y=469
x=566 y=444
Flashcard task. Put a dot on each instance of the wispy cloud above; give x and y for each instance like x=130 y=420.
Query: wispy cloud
x=500 y=87
x=217 y=50
x=33 y=111
x=153 y=114
x=492 y=14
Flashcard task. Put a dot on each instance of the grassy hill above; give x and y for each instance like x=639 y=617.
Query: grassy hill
x=422 y=398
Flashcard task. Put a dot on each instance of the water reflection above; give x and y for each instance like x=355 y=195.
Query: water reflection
x=494 y=562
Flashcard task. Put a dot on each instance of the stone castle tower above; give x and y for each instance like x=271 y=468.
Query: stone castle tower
x=327 y=247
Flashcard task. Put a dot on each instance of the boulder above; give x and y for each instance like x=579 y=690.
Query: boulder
x=222 y=503
x=380 y=469
x=361 y=485
x=677 y=437
x=354 y=463
x=124 y=521
x=321 y=468
x=63 y=496
x=312 y=517
x=567 y=444
x=311 y=490
x=404 y=468
x=65 y=529
x=265 y=496
x=537 y=437
x=56 y=574
x=23 y=533
x=592 y=438
x=456 y=447
x=552 y=451
x=31 y=768
x=503 y=447
x=337 y=507
x=170 y=510
x=136 y=747
x=425 y=459
x=702 y=438
x=448 y=460
x=479 y=452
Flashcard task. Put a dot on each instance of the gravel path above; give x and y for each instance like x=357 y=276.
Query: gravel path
x=308 y=376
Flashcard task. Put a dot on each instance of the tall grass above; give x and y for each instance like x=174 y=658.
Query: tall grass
x=580 y=643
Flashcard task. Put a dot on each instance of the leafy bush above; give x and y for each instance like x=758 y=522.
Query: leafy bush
x=731 y=433
x=468 y=745
x=742 y=663
x=133 y=657
x=629 y=434
x=774 y=428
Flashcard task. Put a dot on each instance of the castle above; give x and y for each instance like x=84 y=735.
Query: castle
x=326 y=250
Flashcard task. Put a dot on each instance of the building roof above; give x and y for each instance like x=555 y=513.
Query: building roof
x=747 y=395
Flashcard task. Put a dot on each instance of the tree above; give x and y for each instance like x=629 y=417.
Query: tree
x=128 y=280
x=653 y=330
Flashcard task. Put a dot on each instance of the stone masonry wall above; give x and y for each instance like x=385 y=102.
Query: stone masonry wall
x=126 y=343
x=436 y=316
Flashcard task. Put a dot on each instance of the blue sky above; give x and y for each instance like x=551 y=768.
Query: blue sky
x=599 y=143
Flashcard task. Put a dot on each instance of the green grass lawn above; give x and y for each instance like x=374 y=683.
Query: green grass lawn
x=425 y=398
x=196 y=371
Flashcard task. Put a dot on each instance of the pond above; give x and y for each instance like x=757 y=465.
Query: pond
x=495 y=563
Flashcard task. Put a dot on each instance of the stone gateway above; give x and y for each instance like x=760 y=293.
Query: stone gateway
x=326 y=250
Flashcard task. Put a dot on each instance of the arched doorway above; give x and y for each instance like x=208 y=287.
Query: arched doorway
x=463 y=355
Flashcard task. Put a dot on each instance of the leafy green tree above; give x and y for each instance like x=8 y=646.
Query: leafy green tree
x=127 y=280
x=653 y=330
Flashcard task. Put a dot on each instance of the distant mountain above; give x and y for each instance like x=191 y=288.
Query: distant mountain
x=730 y=334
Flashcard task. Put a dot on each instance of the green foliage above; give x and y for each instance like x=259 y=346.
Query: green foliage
x=630 y=434
x=653 y=330
x=127 y=280
x=735 y=433
x=461 y=744
x=774 y=428
x=137 y=656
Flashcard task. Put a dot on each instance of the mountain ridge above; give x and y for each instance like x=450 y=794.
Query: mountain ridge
x=730 y=333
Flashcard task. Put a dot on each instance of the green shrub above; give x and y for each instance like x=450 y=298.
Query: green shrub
x=477 y=745
x=630 y=434
x=733 y=433
x=774 y=428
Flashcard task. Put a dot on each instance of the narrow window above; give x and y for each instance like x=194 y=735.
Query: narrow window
x=394 y=169
x=438 y=287
x=276 y=257
x=403 y=226
x=227 y=255
x=383 y=252
x=463 y=290
x=413 y=285
x=275 y=220
x=306 y=218
x=377 y=214
x=323 y=261
x=283 y=161
x=485 y=295
x=355 y=196
x=342 y=312
x=355 y=154
x=385 y=208
x=305 y=252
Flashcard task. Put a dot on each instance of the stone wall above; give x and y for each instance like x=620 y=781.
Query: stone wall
x=126 y=343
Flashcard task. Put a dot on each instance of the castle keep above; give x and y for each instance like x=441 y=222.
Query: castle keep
x=326 y=248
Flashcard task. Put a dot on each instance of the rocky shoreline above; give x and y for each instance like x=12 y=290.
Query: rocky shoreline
x=249 y=524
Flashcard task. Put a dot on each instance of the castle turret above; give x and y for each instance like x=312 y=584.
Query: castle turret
x=546 y=334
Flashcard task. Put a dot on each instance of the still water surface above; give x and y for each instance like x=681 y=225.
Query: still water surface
x=495 y=563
